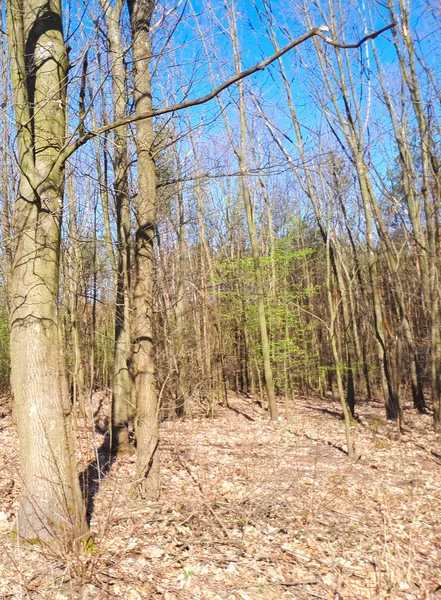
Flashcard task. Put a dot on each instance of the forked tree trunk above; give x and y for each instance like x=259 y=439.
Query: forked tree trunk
x=51 y=508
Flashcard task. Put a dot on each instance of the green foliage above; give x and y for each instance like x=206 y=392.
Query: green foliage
x=188 y=573
x=90 y=546
x=284 y=272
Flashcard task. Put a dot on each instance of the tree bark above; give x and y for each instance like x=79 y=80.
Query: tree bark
x=78 y=394
x=51 y=508
x=146 y=423
x=181 y=399
x=122 y=396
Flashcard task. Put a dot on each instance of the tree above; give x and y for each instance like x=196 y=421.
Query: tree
x=123 y=407
x=51 y=506
x=147 y=431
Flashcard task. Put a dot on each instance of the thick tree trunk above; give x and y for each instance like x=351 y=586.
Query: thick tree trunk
x=51 y=508
x=51 y=505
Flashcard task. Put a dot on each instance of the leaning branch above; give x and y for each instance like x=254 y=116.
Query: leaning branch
x=317 y=31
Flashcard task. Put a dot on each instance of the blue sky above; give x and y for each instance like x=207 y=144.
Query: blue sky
x=184 y=70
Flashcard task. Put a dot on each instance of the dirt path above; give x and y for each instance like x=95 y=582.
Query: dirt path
x=250 y=510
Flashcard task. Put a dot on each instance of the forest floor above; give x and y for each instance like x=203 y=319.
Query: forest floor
x=248 y=510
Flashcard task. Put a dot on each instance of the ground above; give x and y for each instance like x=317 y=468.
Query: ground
x=248 y=510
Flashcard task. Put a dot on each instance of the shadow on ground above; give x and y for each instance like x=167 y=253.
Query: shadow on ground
x=96 y=470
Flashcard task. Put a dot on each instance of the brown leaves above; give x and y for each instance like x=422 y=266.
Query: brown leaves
x=254 y=510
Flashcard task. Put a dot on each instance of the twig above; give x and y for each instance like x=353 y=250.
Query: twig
x=317 y=596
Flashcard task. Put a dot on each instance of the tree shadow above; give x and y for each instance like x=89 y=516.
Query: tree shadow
x=97 y=411
x=239 y=412
x=96 y=470
x=325 y=411
x=435 y=454
x=102 y=428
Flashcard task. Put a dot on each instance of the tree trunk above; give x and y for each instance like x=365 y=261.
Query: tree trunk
x=147 y=430
x=78 y=394
x=335 y=353
x=181 y=405
x=122 y=397
x=51 y=508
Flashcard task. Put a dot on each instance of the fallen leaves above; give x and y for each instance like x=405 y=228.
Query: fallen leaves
x=251 y=510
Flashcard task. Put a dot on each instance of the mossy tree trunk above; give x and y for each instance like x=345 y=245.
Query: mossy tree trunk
x=51 y=508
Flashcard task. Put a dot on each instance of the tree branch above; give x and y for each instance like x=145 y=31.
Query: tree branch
x=317 y=31
x=369 y=36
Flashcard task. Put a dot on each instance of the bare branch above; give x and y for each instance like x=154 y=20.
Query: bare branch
x=369 y=36
x=316 y=31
